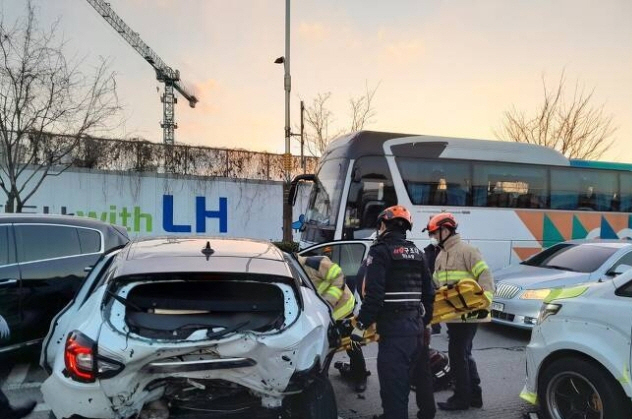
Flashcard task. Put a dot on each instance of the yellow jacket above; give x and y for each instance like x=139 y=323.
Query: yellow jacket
x=329 y=281
x=457 y=261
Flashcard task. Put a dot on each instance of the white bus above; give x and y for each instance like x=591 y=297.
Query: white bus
x=510 y=199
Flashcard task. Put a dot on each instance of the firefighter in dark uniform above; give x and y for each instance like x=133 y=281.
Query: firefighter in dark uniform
x=393 y=298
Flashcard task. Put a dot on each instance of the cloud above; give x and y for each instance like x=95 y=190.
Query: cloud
x=403 y=51
x=315 y=31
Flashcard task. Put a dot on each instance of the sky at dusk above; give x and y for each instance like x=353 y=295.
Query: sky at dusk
x=442 y=67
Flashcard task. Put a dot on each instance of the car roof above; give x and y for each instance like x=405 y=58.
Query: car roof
x=185 y=254
x=55 y=219
x=612 y=243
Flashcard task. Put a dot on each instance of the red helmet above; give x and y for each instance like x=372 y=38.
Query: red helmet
x=443 y=219
x=396 y=211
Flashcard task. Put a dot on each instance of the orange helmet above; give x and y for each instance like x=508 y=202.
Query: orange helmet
x=443 y=219
x=396 y=211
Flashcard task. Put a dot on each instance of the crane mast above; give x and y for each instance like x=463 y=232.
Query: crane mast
x=164 y=73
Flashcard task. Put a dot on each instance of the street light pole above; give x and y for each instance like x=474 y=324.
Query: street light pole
x=287 y=84
x=287 y=156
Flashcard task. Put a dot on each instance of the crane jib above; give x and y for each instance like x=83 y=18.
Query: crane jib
x=164 y=73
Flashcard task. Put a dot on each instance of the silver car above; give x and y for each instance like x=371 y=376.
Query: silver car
x=520 y=289
x=206 y=325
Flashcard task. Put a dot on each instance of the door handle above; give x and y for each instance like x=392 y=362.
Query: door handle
x=8 y=281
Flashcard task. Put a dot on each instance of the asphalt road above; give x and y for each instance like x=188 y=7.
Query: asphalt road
x=500 y=355
x=499 y=352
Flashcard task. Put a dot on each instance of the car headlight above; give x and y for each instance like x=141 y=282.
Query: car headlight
x=548 y=309
x=535 y=294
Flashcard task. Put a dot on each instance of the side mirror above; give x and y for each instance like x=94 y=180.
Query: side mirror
x=291 y=196
x=619 y=270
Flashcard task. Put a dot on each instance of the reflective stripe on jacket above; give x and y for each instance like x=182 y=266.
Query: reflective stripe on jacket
x=458 y=261
x=329 y=281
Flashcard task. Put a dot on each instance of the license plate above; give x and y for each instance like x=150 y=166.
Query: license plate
x=498 y=306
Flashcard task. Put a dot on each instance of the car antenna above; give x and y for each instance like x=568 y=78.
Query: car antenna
x=207 y=251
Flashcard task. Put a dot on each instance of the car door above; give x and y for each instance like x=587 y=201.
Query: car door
x=52 y=266
x=10 y=332
x=348 y=254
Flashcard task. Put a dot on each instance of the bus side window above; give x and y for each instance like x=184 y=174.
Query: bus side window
x=625 y=196
x=456 y=195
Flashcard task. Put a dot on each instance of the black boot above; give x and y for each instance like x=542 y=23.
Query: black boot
x=453 y=403
x=477 y=398
x=22 y=411
x=360 y=382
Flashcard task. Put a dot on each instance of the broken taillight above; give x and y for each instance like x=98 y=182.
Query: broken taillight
x=82 y=361
x=79 y=357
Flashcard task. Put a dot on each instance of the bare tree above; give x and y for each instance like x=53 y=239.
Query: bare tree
x=320 y=120
x=567 y=123
x=47 y=105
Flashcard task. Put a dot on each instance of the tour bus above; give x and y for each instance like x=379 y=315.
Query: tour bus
x=510 y=199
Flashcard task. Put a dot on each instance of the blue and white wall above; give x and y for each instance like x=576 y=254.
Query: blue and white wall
x=158 y=204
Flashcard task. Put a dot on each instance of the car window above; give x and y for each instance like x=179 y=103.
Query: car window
x=348 y=255
x=89 y=240
x=625 y=290
x=624 y=260
x=4 y=245
x=39 y=242
x=572 y=257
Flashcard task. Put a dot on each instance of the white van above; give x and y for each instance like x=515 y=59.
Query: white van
x=578 y=360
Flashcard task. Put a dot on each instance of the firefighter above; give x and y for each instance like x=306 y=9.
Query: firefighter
x=329 y=281
x=458 y=261
x=393 y=299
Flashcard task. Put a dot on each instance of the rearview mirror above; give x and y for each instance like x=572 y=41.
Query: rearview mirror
x=291 y=196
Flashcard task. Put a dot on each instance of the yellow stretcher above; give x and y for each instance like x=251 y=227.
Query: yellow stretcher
x=453 y=301
x=346 y=327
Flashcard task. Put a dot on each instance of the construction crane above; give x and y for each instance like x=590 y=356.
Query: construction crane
x=164 y=73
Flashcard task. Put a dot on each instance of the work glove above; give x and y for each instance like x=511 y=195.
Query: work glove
x=481 y=314
x=357 y=336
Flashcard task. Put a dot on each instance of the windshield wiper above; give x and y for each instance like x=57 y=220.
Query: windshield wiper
x=563 y=268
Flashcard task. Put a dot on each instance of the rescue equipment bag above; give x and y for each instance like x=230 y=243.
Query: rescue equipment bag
x=455 y=300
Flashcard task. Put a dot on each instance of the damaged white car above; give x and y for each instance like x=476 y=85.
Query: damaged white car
x=183 y=325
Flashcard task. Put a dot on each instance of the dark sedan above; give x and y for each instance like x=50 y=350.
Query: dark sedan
x=43 y=260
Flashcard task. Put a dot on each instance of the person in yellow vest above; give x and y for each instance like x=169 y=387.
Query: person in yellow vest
x=329 y=281
x=458 y=261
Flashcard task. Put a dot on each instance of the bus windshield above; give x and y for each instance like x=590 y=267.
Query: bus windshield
x=324 y=202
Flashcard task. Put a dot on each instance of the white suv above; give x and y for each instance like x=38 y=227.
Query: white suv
x=578 y=360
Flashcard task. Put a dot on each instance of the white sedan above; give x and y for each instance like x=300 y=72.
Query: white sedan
x=191 y=325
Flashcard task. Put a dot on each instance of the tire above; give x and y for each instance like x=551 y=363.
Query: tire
x=318 y=400
x=589 y=389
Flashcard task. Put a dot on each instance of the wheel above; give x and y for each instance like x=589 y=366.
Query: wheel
x=574 y=387
x=318 y=400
